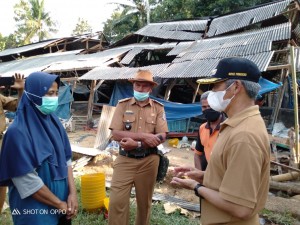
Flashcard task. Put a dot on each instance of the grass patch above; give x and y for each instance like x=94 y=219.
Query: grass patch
x=278 y=218
x=158 y=215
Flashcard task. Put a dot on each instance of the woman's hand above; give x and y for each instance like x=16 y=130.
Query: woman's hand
x=72 y=204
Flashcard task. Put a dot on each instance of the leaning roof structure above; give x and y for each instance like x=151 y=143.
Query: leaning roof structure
x=235 y=21
x=179 y=30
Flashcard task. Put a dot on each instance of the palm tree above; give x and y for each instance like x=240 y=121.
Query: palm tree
x=33 y=21
x=134 y=10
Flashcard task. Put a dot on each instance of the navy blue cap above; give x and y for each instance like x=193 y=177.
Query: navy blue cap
x=233 y=68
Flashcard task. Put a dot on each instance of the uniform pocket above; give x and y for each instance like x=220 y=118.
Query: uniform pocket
x=128 y=118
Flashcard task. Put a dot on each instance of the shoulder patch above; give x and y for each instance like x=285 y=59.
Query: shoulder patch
x=157 y=102
x=124 y=100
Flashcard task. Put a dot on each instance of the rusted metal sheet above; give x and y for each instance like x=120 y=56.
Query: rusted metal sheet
x=235 y=21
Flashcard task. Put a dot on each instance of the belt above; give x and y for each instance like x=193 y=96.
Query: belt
x=138 y=154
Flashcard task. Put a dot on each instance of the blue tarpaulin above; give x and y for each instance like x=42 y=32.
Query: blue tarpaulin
x=64 y=100
x=177 y=111
x=174 y=111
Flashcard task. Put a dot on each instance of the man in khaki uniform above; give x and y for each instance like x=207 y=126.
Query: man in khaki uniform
x=140 y=125
x=10 y=104
x=235 y=186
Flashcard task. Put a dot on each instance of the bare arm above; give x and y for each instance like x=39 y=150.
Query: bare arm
x=214 y=198
x=148 y=140
x=45 y=196
x=233 y=209
x=72 y=201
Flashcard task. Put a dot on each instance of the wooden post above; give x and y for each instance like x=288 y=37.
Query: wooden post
x=195 y=94
x=169 y=88
x=279 y=100
x=295 y=95
x=90 y=103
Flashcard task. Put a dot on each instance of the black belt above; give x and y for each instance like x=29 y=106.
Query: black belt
x=138 y=154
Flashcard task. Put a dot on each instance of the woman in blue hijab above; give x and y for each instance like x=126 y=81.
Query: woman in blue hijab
x=35 y=160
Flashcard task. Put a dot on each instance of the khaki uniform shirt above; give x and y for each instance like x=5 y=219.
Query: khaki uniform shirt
x=239 y=167
x=147 y=119
x=6 y=103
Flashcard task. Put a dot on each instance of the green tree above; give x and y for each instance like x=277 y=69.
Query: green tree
x=82 y=27
x=33 y=22
x=128 y=18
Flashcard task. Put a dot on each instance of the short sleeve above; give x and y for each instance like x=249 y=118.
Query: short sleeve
x=117 y=120
x=242 y=178
x=161 y=121
x=28 y=184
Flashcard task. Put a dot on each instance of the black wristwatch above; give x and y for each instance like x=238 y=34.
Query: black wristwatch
x=196 y=189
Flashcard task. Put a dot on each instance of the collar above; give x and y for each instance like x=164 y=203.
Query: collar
x=238 y=118
x=134 y=101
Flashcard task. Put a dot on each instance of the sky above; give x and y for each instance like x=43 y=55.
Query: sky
x=64 y=12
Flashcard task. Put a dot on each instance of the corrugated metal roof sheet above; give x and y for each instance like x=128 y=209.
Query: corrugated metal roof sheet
x=180 y=47
x=89 y=61
x=26 y=48
x=297 y=31
x=239 y=20
x=180 y=30
x=120 y=73
x=33 y=64
x=66 y=61
x=136 y=50
x=203 y=68
x=241 y=44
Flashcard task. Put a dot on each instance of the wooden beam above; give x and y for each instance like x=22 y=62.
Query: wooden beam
x=295 y=95
x=285 y=166
x=284 y=74
x=90 y=103
x=169 y=88
x=194 y=85
x=279 y=67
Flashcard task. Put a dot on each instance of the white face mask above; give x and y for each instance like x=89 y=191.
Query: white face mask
x=216 y=100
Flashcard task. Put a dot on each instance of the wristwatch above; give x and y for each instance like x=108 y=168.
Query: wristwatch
x=139 y=147
x=196 y=189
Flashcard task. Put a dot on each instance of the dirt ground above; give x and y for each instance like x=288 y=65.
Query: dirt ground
x=177 y=157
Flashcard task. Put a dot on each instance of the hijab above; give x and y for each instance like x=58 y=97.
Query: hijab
x=34 y=137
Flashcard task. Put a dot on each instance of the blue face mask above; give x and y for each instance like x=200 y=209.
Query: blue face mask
x=140 y=96
x=49 y=104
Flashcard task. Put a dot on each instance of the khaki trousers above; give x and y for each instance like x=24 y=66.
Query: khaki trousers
x=127 y=172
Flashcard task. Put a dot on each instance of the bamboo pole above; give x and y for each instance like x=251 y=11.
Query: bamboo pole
x=295 y=94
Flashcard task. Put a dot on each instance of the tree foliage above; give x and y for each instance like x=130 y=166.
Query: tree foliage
x=33 y=22
x=82 y=27
x=128 y=20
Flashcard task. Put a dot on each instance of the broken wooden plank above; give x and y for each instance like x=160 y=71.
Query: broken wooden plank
x=86 y=151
